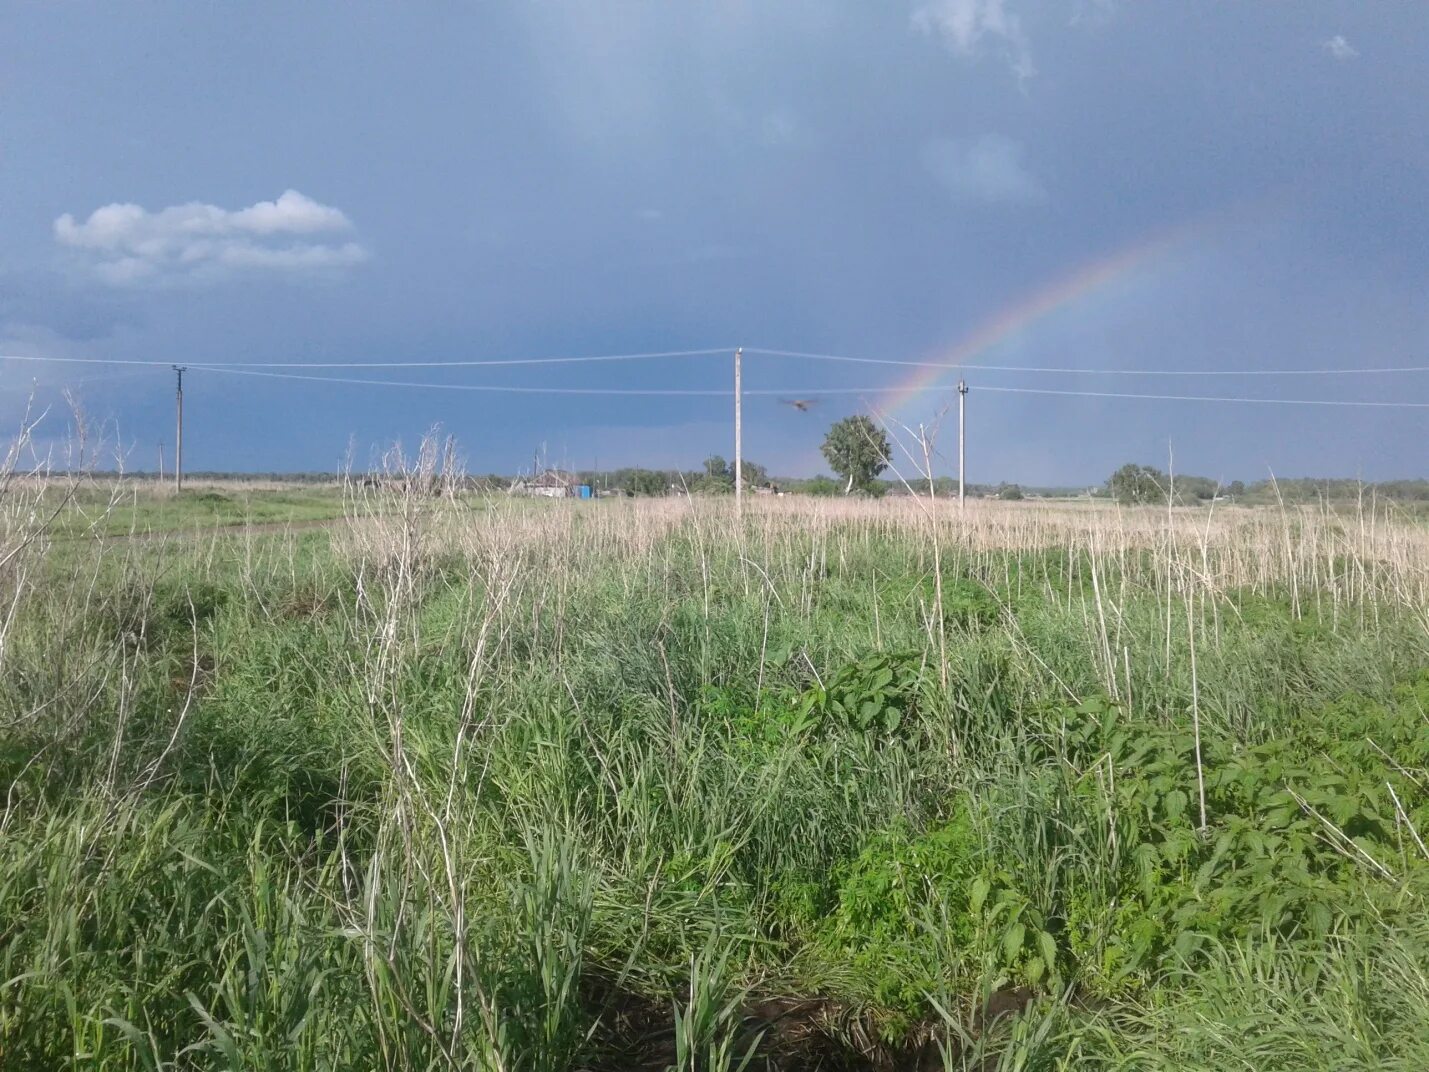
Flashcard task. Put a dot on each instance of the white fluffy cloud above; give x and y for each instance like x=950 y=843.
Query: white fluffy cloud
x=126 y=244
x=987 y=170
x=1341 y=49
x=969 y=27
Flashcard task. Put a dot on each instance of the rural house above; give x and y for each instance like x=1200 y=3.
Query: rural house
x=552 y=484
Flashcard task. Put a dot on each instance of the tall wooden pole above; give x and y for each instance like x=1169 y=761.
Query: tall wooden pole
x=179 y=431
x=962 y=443
x=738 y=437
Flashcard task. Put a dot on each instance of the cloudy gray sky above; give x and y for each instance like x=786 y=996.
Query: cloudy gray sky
x=1081 y=184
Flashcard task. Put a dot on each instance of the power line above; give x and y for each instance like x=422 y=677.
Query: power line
x=86 y=361
x=255 y=369
x=1116 y=395
x=771 y=392
x=1085 y=371
x=710 y=351
x=493 y=363
x=1207 y=398
x=467 y=386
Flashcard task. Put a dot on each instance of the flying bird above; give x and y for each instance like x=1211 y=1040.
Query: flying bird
x=801 y=404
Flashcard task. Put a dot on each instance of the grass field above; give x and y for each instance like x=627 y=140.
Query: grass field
x=142 y=508
x=457 y=784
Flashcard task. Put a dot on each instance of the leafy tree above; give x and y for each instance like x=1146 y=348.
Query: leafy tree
x=1138 y=484
x=858 y=450
x=718 y=477
x=1010 y=492
x=820 y=486
x=1237 y=488
x=1200 y=488
x=755 y=475
x=648 y=482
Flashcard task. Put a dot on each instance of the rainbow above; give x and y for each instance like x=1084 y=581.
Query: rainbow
x=1075 y=286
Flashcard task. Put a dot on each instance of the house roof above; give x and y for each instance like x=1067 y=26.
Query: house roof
x=554 y=478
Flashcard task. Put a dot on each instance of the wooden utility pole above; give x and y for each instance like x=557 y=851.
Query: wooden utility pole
x=738 y=437
x=962 y=443
x=179 y=431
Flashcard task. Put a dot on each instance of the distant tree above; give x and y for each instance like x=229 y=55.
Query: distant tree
x=1200 y=488
x=1236 y=489
x=1138 y=484
x=648 y=482
x=755 y=475
x=858 y=450
x=1010 y=492
x=717 y=478
x=821 y=486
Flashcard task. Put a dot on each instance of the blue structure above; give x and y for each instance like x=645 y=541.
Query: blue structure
x=583 y=491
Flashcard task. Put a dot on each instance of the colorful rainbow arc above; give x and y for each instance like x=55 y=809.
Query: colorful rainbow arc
x=1075 y=286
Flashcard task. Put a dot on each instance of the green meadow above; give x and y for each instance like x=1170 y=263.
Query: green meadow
x=458 y=783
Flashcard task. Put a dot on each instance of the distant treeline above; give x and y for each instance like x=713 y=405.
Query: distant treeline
x=214 y=475
x=1131 y=483
x=1146 y=484
x=1317 y=489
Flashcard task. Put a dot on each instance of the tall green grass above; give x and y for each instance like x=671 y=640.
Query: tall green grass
x=616 y=786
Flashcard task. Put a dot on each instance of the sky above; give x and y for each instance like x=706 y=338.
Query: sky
x=1085 y=184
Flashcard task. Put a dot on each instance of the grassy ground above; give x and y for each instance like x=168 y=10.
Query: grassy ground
x=144 y=509
x=633 y=785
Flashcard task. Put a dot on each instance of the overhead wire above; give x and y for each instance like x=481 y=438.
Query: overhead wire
x=1063 y=370
x=482 y=363
x=258 y=369
x=810 y=392
x=1206 y=398
x=1108 y=394
x=498 y=388
x=715 y=350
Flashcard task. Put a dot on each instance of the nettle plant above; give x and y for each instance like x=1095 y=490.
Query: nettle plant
x=920 y=911
x=1301 y=834
x=877 y=694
